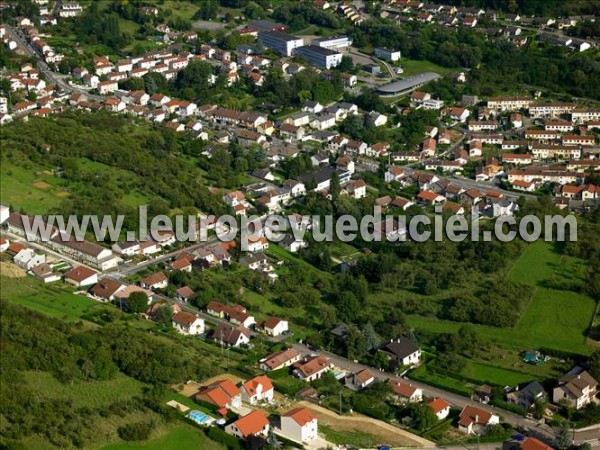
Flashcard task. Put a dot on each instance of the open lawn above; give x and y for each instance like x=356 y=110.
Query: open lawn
x=555 y=319
x=24 y=189
x=92 y=394
x=414 y=67
x=51 y=300
x=182 y=437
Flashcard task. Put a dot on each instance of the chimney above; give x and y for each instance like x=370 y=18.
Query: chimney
x=476 y=418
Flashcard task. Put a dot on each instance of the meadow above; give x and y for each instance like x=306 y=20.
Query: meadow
x=555 y=319
x=52 y=300
x=177 y=438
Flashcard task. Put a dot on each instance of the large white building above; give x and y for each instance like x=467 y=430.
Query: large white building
x=280 y=42
x=333 y=42
x=319 y=56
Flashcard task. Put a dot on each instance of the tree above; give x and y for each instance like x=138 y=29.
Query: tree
x=346 y=65
x=137 y=302
x=164 y=314
x=562 y=438
x=334 y=188
x=594 y=363
x=423 y=416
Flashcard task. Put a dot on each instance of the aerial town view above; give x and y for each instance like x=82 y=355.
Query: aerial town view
x=300 y=224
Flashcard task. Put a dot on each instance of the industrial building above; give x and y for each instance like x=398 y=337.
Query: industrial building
x=407 y=85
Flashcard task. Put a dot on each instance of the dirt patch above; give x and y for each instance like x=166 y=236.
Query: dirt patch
x=387 y=433
x=191 y=387
x=41 y=185
x=9 y=270
x=188 y=389
x=62 y=194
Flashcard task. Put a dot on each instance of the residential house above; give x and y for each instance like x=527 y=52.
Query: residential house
x=406 y=392
x=299 y=424
x=525 y=395
x=45 y=273
x=360 y=380
x=106 y=288
x=81 y=276
x=279 y=360
x=252 y=424
x=184 y=294
x=312 y=368
x=577 y=389
x=188 y=323
x=403 y=351
x=222 y=393
x=459 y=114
x=440 y=407
x=274 y=326
x=258 y=389
x=157 y=280
x=231 y=336
x=473 y=420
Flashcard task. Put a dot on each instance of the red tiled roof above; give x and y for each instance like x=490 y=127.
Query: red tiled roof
x=251 y=386
x=438 y=404
x=252 y=423
x=301 y=416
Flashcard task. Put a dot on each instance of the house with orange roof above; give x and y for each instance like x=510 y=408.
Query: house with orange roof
x=258 y=389
x=222 y=393
x=279 y=360
x=440 y=407
x=299 y=424
x=253 y=424
x=534 y=444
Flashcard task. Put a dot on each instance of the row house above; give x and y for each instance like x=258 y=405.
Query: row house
x=508 y=103
x=542 y=135
x=544 y=175
x=484 y=125
x=580 y=116
x=547 y=151
x=574 y=139
x=550 y=110
x=561 y=126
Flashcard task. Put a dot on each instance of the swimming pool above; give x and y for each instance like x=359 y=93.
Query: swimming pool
x=199 y=417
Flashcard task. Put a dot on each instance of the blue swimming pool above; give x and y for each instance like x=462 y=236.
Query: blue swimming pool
x=199 y=417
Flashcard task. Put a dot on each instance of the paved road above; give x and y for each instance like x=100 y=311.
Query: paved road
x=55 y=78
x=458 y=401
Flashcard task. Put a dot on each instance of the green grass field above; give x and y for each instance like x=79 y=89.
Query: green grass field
x=17 y=188
x=92 y=394
x=413 y=67
x=358 y=439
x=177 y=438
x=51 y=300
x=554 y=319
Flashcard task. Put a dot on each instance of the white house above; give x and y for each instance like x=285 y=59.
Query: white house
x=440 y=407
x=81 y=276
x=406 y=392
x=577 y=389
x=473 y=420
x=28 y=259
x=312 y=368
x=403 y=351
x=258 y=389
x=299 y=424
x=156 y=280
x=188 y=323
x=127 y=248
x=274 y=326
